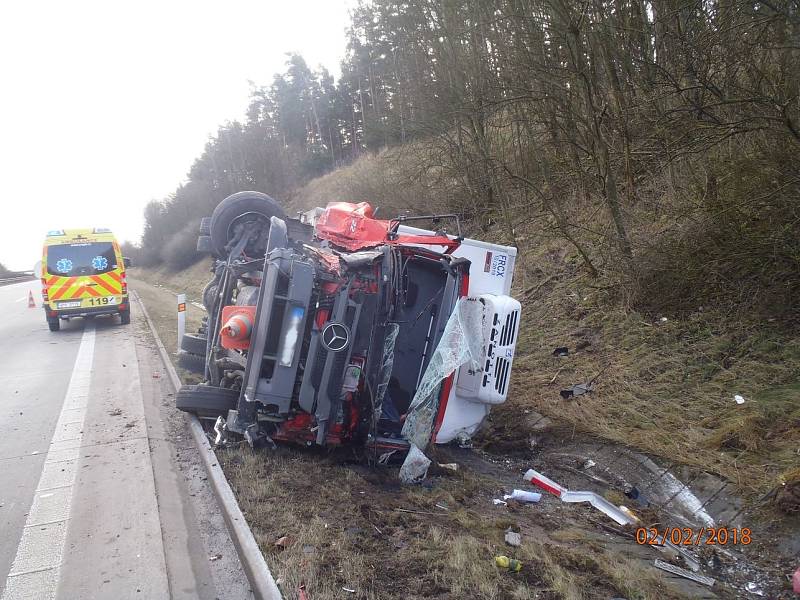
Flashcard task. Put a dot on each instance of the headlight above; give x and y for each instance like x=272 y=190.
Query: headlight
x=292 y=336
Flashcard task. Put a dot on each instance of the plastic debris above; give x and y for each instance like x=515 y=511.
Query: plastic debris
x=561 y=351
x=282 y=541
x=753 y=588
x=670 y=568
x=348 y=590
x=215 y=557
x=498 y=502
x=513 y=538
x=448 y=466
x=415 y=467
x=512 y=564
x=738 y=399
x=664 y=319
x=523 y=496
x=576 y=390
x=596 y=500
x=588 y=464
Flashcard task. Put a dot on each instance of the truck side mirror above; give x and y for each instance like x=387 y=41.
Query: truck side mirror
x=126 y=261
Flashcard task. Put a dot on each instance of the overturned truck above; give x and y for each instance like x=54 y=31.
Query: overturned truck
x=340 y=328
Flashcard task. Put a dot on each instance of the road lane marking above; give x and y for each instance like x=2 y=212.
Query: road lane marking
x=35 y=570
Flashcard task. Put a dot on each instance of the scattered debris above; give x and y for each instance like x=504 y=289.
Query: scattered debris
x=663 y=319
x=215 y=557
x=623 y=517
x=448 y=466
x=348 y=590
x=753 y=588
x=301 y=592
x=512 y=564
x=441 y=505
x=156 y=375
x=670 y=568
x=34 y=453
x=523 y=496
x=739 y=399
x=796 y=581
x=588 y=464
x=576 y=390
x=415 y=467
x=513 y=538
x=561 y=351
x=498 y=502
x=282 y=541
x=115 y=413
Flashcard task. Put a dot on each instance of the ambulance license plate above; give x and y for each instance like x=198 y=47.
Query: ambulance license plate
x=75 y=304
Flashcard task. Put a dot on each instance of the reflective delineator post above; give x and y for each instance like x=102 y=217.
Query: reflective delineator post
x=181 y=318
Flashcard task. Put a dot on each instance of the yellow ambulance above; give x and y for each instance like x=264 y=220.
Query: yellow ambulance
x=83 y=275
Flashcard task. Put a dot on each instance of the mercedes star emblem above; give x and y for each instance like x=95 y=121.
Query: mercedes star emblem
x=335 y=337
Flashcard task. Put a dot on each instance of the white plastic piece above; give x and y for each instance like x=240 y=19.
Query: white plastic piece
x=592 y=498
x=739 y=399
x=523 y=496
x=415 y=467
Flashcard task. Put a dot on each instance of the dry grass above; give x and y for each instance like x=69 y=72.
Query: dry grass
x=190 y=281
x=348 y=526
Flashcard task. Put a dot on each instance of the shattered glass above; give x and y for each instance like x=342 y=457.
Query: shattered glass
x=461 y=342
x=385 y=372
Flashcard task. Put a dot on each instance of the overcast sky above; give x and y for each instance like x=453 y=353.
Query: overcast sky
x=104 y=105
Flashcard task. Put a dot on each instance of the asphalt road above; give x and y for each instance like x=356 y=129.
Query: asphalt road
x=103 y=494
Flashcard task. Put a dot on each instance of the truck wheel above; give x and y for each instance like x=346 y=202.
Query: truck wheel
x=210 y=296
x=125 y=317
x=237 y=210
x=206 y=400
x=53 y=324
x=192 y=362
x=194 y=344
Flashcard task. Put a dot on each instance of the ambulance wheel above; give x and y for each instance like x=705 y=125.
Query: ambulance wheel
x=54 y=324
x=237 y=210
x=206 y=400
x=194 y=344
x=125 y=317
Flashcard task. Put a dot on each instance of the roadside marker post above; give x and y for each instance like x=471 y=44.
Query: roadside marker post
x=181 y=317
x=31 y=301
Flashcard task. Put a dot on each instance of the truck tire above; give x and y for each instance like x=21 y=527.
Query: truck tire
x=210 y=296
x=206 y=400
x=125 y=317
x=204 y=244
x=53 y=324
x=237 y=209
x=192 y=362
x=194 y=344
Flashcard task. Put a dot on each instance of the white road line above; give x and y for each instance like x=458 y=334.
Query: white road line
x=20 y=299
x=35 y=571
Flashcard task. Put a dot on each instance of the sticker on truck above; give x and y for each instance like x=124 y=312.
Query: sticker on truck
x=495 y=264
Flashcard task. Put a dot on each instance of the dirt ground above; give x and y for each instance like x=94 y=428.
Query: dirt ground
x=340 y=527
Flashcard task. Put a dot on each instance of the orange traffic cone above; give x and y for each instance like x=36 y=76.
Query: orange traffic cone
x=238 y=327
x=31 y=303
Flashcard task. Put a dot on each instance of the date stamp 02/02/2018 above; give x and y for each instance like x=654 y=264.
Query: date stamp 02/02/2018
x=690 y=536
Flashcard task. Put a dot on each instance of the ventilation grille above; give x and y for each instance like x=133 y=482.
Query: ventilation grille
x=507 y=334
x=502 y=372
